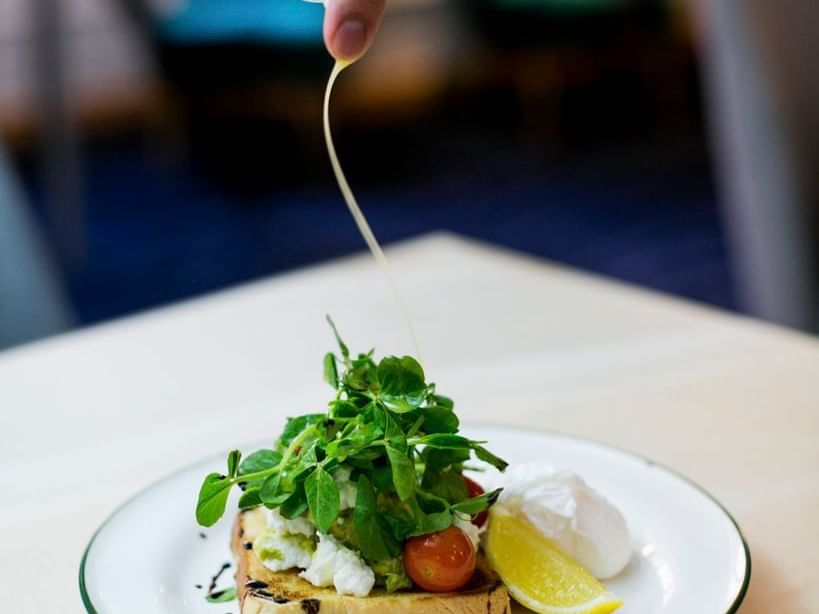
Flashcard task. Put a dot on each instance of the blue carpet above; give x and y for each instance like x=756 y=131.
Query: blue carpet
x=159 y=235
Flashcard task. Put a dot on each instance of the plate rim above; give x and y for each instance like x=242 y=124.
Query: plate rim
x=733 y=609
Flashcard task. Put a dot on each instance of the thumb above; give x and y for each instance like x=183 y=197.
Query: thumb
x=350 y=26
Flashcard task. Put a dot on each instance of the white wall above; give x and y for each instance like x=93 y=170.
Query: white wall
x=103 y=58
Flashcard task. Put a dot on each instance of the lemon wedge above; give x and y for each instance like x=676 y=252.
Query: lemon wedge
x=537 y=574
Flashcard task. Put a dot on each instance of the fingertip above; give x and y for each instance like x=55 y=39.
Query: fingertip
x=350 y=39
x=350 y=26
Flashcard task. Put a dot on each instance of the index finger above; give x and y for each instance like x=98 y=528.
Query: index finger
x=350 y=26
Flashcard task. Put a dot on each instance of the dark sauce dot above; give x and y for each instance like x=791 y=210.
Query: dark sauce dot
x=311 y=606
x=199 y=586
x=202 y=535
x=248 y=546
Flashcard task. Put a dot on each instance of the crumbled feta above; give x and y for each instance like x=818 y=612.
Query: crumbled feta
x=464 y=523
x=285 y=543
x=291 y=543
x=335 y=564
x=321 y=569
x=298 y=526
x=353 y=576
x=346 y=488
x=278 y=551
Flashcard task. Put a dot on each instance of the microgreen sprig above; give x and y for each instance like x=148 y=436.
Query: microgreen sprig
x=397 y=436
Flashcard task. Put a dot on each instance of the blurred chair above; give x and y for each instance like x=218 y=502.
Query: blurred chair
x=761 y=63
x=546 y=22
x=61 y=165
x=578 y=65
x=240 y=74
x=32 y=304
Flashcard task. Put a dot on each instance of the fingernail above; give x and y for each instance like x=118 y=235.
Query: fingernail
x=350 y=39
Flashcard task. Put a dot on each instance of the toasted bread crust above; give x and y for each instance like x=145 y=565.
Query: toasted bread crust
x=262 y=591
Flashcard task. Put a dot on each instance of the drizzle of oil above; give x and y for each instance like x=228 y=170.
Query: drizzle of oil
x=357 y=213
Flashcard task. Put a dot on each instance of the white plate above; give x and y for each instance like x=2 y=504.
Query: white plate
x=689 y=554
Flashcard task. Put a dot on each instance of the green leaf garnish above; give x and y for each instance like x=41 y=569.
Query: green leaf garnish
x=261 y=460
x=322 y=498
x=250 y=499
x=233 y=463
x=487 y=457
x=395 y=436
x=224 y=596
x=295 y=505
x=368 y=533
x=296 y=426
x=341 y=345
x=403 y=473
x=330 y=370
x=478 y=504
x=439 y=419
x=432 y=523
x=213 y=496
x=402 y=384
x=443 y=441
x=449 y=485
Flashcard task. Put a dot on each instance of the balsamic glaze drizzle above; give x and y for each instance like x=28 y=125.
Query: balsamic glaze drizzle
x=215 y=579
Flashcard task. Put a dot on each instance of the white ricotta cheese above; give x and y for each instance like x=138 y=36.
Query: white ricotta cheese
x=346 y=489
x=465 y=524
x=298 y=526
x=279 y=552
x=285 y=543
x=335 y=564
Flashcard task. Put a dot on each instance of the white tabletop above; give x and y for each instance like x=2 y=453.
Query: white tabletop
x=90 y=417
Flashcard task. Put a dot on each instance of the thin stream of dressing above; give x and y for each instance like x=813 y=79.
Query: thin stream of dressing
x=355 y=210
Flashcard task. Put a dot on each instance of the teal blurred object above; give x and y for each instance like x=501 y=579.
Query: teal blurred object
x=283 y=22
x=242 y=73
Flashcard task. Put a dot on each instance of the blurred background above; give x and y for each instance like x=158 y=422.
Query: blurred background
x=156 y=150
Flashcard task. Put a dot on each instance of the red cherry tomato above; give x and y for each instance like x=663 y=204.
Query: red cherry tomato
x=440 y=562
x=474 y=489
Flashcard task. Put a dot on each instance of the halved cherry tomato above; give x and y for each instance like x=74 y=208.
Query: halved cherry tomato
x=474 y=489
x=440 y=562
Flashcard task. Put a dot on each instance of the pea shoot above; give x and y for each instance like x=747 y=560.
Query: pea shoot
x=400 y=440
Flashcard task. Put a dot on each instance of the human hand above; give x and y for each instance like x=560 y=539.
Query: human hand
x=350 y=26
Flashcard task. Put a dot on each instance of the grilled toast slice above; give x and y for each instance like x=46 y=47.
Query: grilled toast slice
x=262 y=591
